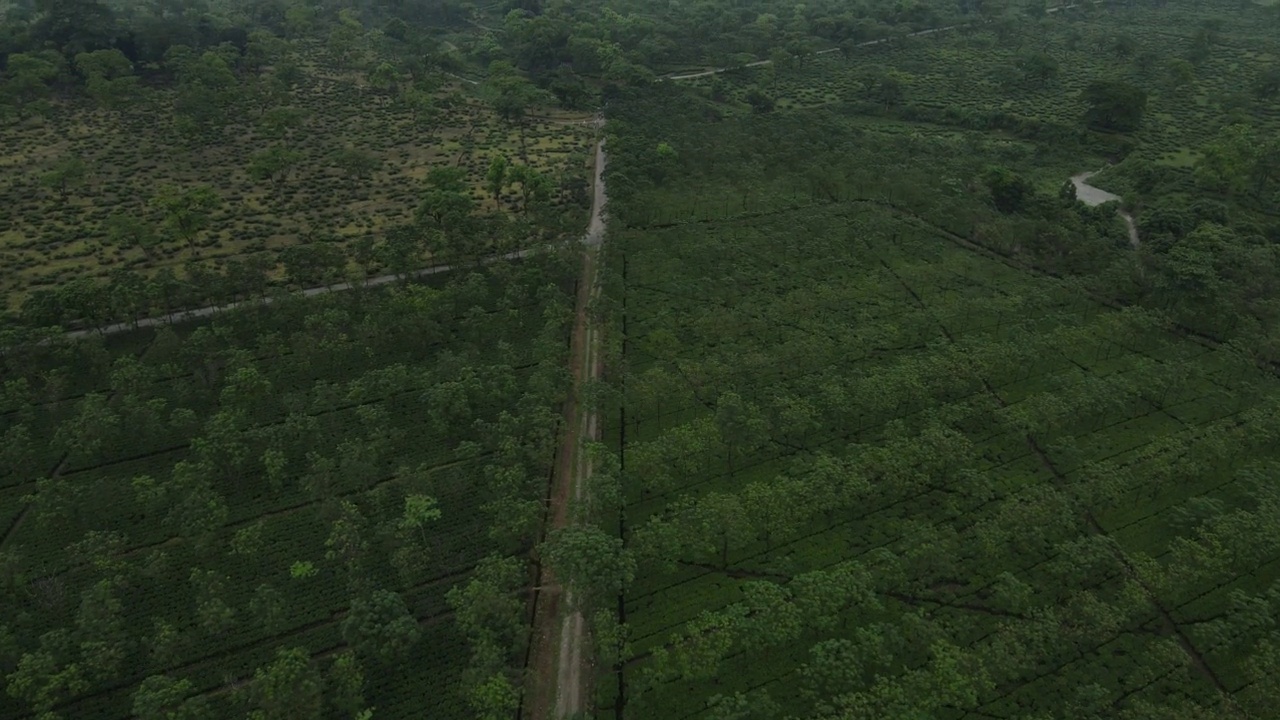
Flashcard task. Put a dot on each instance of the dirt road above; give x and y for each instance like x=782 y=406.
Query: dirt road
x=561 y=657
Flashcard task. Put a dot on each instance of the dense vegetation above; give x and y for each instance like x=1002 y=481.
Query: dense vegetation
x=894 y=424
x=184 y=509
x=901 y=429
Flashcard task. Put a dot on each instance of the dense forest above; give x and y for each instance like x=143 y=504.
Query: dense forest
x=919 y=360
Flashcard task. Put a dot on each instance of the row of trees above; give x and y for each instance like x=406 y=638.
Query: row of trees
x=940 y=485
x=325 y=465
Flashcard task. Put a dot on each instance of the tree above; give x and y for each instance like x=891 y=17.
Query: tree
x=262 y=49
x=215 y=615
x=384 y=78
x=194 y=509
x=1124 y=46
x=759 y=100
x=109 y=77
x=313 y=265
x=493 y=698
x=888 y=89
x=1227 y=160
x=489 y=607
x=48 y=675
x=28 y=77
x=741 y=425
x=534 y=186
x=160 y=697
x=347 y=542
x=402 y=250
x=420 y=511
x=509 y=93
x=281 y=122
x=273 y=164
x=67 y=173
x=91 y=432
x=207 y=91
x=421 y=104
x=590 y=559
x=379 y=625
x=289 y=688
x=74 y=26
x=187 y=212
x=1114 y=105
x=128 y=230
x=1010 y=192
x=356 y=164
x=1038 y=68
x=104 y=643
x=446 y=202
x=1179 y=73
x=496 y=177
x=347 y=684
x=269 y=608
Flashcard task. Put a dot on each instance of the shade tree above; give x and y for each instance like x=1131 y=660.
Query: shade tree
x=187 y=212
x=161 y=697
x=379 y=625
x=290 y=688
x=1114 y=105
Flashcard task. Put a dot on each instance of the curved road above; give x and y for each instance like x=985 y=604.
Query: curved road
x=1095 y=196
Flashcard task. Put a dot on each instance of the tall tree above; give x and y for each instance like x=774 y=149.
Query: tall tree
x=160 y=697
x=380 y=625
x=290 y=688
x=187 y=213
x=1114 y=105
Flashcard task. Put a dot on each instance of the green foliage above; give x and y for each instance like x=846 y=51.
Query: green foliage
x=1114 y=105
x=273 y=164
x=160 y=697
x=1010 y=192
x=590 y=560
x=290 y=687
x=381 y=626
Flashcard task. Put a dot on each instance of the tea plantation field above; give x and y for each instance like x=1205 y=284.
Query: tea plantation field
x=889 y=451
x=319 y=475
x=964 y=455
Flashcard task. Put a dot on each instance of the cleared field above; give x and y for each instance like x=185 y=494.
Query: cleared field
x=360 y=158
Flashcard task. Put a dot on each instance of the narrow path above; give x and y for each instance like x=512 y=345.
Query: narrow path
x=1095 y=196
x=561 y=659
x=210 y=310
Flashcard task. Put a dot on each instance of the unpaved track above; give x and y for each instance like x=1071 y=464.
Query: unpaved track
x=561 y=659
x=210 y=310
